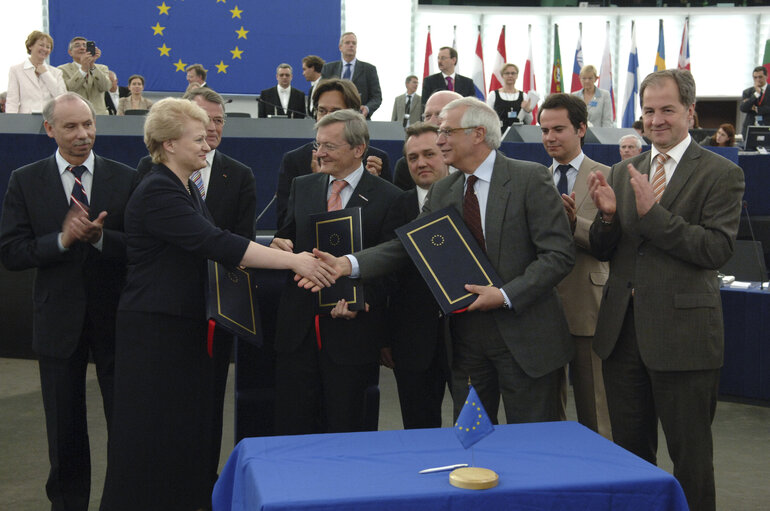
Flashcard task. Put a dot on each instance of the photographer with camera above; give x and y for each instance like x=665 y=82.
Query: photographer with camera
x=84 y=76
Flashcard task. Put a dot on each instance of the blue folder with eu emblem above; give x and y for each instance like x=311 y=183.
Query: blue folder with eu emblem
x=339 y=233
x=448 y=257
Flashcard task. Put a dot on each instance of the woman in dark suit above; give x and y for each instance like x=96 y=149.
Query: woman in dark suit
x=159 y=443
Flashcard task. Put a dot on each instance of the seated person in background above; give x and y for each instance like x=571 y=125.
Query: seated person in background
x=509 y=101
x=629 y=145
x=112 y=96
x=283 y=99
x=329 y=95
x=597 y=100
x=135 y=101
x=3 y=95
x=724 y=137
x=32 y=83
x=84 y=76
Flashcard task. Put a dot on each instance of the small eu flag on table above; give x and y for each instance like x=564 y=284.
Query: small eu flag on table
x=473 y=424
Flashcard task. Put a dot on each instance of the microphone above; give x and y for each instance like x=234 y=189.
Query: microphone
x=760 y=262
x=259 y=217
x=292 y=114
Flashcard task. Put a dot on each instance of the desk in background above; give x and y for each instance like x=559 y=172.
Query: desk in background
x=553 y=465
x=746 y=371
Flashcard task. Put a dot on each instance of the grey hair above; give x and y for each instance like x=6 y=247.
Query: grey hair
x=683 y=79
x=637 y=140
x=284 y=66
x=50 y=106
x=356 y=131
x=478 y=113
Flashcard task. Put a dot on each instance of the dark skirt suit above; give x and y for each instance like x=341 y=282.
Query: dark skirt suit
x=159 y=445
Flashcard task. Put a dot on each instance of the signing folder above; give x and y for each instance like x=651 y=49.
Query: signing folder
x=339 y=233
x=448 y=257
x=232 y=301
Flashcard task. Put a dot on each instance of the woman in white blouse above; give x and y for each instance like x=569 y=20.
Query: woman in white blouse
x=32 y=83
x=511 y=104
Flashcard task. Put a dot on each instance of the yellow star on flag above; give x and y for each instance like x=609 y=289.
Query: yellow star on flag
x=223 y=1
x=242 y=33
x=236 y=12
x=222 y=67
x=158 y=29
x=180 y=66
x=236 y=53
x=164 y=50
x=163 y=8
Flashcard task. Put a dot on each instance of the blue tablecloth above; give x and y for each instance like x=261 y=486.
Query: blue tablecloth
x=557 y=465
x=746 y=371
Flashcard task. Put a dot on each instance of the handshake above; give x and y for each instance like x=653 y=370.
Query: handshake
x=336 y=266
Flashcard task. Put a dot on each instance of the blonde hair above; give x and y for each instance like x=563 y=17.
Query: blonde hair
x=33 y=38
x=166 y=121
x=588 y=69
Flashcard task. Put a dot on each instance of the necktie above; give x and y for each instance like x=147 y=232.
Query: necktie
x=659 y=178
x=450 y=84
x=563 y=184
x=334 y=202
x=471 y=212
x=346 y=74
x=198 y=180
x=406 y=110
x=78 y=193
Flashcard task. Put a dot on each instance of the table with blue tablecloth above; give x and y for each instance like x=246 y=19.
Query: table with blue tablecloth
x=553 y=465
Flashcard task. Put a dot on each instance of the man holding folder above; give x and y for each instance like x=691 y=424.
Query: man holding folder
x=512 y=340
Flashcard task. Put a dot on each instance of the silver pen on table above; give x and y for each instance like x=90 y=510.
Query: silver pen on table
x=443 y=469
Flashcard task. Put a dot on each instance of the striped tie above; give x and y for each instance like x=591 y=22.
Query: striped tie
x=334 y=202
x=198 y=180
x=78 y=194
x=659 y=178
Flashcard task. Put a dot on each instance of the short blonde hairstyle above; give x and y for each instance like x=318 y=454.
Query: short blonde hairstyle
x=507 y=65
x=588 y=69
x=166 y=121
x=34 y=37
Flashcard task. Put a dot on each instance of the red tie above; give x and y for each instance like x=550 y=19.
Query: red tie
x=450 y=84
x=334 y=202
x=471 y=212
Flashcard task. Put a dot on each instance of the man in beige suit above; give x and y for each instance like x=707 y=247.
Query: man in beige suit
x=407 y=107
x=84 y=76
x=563 y=119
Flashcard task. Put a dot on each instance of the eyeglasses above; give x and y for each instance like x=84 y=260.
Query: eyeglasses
x=218 y=121
x=327 y=147
x=447 y=132
x=510 y=73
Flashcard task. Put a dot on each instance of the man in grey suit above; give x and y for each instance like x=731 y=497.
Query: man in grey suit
x=513 y=340
x=563 y=119
x=668 y=220
x=408 y=107
x=362 y=74
x=84 y=76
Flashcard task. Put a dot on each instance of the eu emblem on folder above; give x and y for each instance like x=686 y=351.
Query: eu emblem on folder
x=448 y=257
x=232 y=302
x=339 y=233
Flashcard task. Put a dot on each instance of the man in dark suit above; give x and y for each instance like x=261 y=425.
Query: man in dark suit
x=64 y=216
x=112 y=96
x=362 y=74
x=512 y=340
x=754 y=104
x=665 y=228
x=402 y=177
x=563 y=119
x=230 y=195
x=328 y=96
x=312 y=65
x=417 y=350
x=447 y=79
x=283 y=99
x=324 y=366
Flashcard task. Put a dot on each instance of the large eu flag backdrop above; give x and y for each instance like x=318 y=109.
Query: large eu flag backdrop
x=239 y=42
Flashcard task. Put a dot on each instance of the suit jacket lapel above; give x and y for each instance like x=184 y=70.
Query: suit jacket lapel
x=684 y=170
x=30 y=74
x=497 y=202
x=581 y=182
x=217 y=181
x=361 y=195
x=101 y=188
x=52 y=191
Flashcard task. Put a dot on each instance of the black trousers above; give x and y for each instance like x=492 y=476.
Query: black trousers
x=683 y=401
x=63 y=385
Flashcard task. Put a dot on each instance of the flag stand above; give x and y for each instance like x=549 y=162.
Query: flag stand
x=473 y=478
x=473 y=418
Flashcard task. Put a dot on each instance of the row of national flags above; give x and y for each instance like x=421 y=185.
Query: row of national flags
x=631 y=93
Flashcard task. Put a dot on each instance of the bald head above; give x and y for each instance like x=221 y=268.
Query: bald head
x=436 y=102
